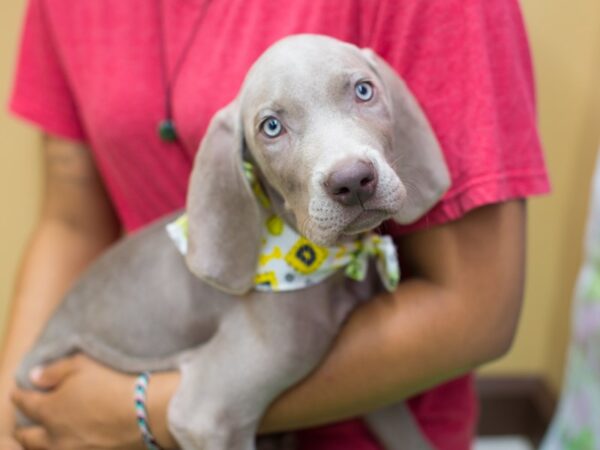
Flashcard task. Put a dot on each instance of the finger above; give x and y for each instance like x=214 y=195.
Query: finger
x=29 y=403
x=8 y=443
x=50 y=376
x=33 y=438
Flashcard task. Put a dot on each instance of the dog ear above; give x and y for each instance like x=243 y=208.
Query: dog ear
x=224 y=217
x=417 y=158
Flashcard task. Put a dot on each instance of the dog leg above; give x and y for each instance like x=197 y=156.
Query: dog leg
x=204 y=415
x=227 y=384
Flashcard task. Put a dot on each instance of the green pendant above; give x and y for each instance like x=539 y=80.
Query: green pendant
x=166 y=130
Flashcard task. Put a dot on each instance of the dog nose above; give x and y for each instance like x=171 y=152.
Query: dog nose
x=351 y=183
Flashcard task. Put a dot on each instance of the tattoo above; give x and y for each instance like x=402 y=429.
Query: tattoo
x=72 y=165
x=74 y=191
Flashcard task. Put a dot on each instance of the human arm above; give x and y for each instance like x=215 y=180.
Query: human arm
x=459 y=310
x=76 y=222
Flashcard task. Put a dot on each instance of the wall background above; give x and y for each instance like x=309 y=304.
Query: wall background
x=20 y=164
x=566 y=47
x=565 y=42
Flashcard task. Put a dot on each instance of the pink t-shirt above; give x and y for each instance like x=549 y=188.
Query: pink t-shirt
x=91 y=71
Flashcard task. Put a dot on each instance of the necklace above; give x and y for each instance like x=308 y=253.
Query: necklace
x=166 y=127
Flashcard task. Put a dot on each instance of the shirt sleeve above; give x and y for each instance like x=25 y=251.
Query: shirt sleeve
x=468 y=64
x=41 y=93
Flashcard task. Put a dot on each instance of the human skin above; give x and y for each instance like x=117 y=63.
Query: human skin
x=458 y=311
x=76 y=222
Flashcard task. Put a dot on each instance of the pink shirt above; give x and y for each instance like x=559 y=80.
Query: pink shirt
x=91 y=71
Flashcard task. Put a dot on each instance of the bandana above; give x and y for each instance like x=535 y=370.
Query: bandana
x=289 y=261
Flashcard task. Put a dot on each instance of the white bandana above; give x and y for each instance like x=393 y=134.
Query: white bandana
x=289 y=261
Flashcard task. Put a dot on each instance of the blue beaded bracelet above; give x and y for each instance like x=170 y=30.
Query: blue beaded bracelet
x=141 y=385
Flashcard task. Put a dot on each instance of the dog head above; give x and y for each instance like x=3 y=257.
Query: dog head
x=339 y=144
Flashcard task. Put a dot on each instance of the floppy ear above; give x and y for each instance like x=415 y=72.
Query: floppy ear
x=418 y=159
x=224 y=217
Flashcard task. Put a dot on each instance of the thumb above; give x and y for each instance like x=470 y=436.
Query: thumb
x=50 y=376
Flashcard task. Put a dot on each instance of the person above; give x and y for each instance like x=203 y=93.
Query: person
x=98 y=77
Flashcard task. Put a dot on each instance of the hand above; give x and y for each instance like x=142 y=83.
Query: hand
x=8 y=443
x=86 y=406
x=7 y=426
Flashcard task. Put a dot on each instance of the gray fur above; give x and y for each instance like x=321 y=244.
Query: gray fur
x=144 y=306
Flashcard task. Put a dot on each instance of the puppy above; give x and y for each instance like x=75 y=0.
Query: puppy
x=336 y=144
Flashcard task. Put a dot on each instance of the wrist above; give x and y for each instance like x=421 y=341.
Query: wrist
x=124 y=417
x=161 y=388
x=7 y=419
x=7 y=412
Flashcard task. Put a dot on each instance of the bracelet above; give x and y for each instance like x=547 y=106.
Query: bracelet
x=141 y=385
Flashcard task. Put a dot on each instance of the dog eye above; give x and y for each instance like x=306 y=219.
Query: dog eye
x=271 y=127
x=364 y=91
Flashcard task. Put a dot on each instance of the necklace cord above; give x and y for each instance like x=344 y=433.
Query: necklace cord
x=170 y=82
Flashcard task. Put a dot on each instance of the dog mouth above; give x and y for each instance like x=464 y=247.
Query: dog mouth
x=328 y=224
x=365 y=221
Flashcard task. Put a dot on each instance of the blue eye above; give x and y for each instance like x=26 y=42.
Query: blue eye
x=272 y=127
x=364 y=91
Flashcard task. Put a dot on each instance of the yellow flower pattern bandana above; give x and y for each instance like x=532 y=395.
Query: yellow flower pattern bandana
x=289 y=261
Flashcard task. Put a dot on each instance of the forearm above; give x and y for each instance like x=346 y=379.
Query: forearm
x=459 y=311
x=56 y=254
x=373 y=359
x=392 y=347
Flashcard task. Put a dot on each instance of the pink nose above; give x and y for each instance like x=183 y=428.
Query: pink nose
x=352 y=182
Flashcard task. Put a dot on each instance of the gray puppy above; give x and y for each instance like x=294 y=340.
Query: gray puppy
x=339 y=145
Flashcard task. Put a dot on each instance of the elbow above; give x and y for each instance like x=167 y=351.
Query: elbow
x=500 y=343
x=495 y=334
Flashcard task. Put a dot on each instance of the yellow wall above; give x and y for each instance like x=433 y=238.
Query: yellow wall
x=565 y=38
x=19 y=161
x=566 y=44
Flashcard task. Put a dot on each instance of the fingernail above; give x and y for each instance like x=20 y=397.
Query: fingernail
x=36 y=374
